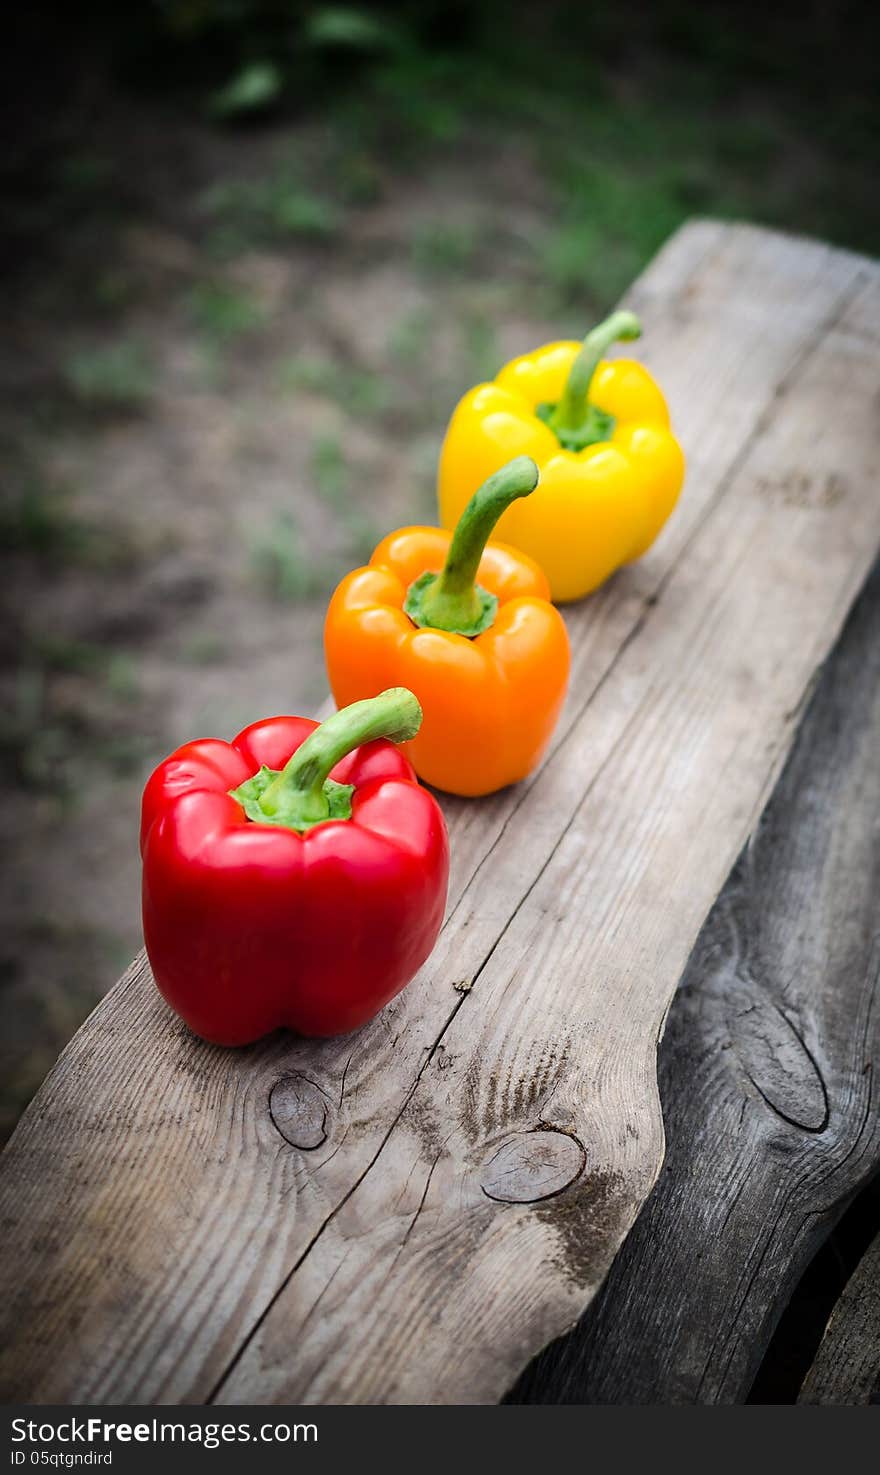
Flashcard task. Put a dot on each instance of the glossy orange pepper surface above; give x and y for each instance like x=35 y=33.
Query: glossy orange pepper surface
x=490 y=699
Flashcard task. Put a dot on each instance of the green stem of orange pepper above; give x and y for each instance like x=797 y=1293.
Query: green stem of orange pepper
x=453 y=600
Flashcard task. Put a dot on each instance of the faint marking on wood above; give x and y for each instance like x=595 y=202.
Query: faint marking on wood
x=574 y=901
x=584 y=1223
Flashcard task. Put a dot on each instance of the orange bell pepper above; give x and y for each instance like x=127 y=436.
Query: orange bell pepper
x=470 y=629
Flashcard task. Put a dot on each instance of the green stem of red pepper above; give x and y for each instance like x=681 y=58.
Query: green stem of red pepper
x=302 y=794
x=575 y=421
x=453 y=600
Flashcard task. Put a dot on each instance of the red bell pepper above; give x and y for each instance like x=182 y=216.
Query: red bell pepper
x=295 y=877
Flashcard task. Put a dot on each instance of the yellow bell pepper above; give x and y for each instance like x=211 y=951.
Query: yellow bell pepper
x=611 y=469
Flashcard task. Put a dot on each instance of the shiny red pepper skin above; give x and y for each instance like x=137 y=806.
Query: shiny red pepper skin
x=252 y=927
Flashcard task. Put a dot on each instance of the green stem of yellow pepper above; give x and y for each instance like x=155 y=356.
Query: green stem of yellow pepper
x=453 y=600
x=574 y=420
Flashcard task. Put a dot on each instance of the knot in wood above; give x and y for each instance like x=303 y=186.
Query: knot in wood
x=533 y=1166
x=300 y=1111
x=776 y=1060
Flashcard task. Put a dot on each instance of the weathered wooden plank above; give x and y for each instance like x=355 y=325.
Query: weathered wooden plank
x=766 y=1081
x=212 y=1245
x=846 y=1368
x=675 y=754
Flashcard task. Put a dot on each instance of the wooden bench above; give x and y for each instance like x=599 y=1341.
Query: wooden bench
x=768 y=1091
x=411 y=1213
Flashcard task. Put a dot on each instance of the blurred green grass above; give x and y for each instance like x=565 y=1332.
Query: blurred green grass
x=636 y=117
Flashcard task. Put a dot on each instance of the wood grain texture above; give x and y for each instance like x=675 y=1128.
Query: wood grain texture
x=767 y=1080
x=390 y=1217
x=847 y=1366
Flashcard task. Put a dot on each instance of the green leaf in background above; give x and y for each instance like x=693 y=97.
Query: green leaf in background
x=256 y=86
x=334 y=25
